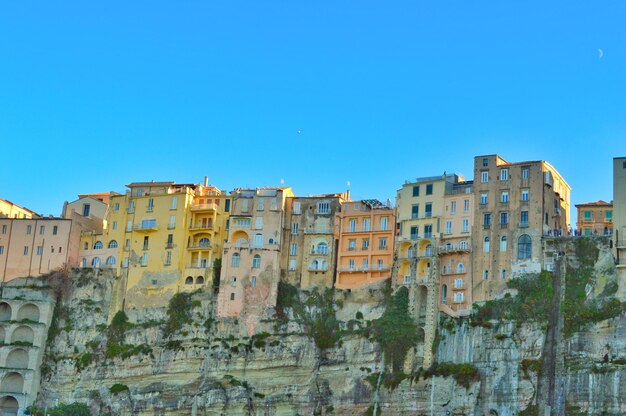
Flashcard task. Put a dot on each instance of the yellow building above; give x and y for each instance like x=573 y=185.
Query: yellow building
x=10 y=210
x=162 y=238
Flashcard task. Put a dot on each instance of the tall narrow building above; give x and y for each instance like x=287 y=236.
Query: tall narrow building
x=619 y=212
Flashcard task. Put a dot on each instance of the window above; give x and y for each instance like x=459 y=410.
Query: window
x=95 y=262
x=245 y=205
x=125 y=262
x=256 y=262
x=232 y=296
x=466 y=205
x=486 y=244
x=524 y=173
x=204 y=242
x=98 y=245
x=453 y=207
x=189 y=280
x=487 y=219
x=296 y=208
x=1 y=249
x=293 y=250
x=351 y=264
x=444 y=294
x=484 y=176
x=116 y=207
x=485 y=162
x=42 y=229
x=110 y=261
x=258 y=223
x=524 y=247
x=173 y=202
x=382 y=243
x=525 y=195
x=168 y=258
x=352 y=225
x=294 y=228
x=356 y=207
x=131 y=207
x=253 y=281
x=144 y=260
x=4 y=229
x=383 y=223
x=114 y=225
x=39 y=250
x=351 y=244
x=523 y=219
x=146 y=224
x=129 y=225
x=380 y=264
x=504 y=175
x=463 y=245
x=483 y=199
x=112 y=244
x=460 y=268
x=414 y=232
x=415 y=211
x=429 y=210
x=54 y=230
x=459 y=297
x=428 y=231
x=258 y=240
x=448 y=227
x=323 y=207
x=322 y=248
x=486 y=274
x=587 y=215
x=503 y=243
x=366 y=224
x=429 y=250
x=504 y=197
x=146 y=243
x=150 y=204
x=429 y=189
x=365 y=244
x=234 y=262
x=227 y=205
x=608 y=215
x=416 y=190
x=503 y=274
x=365 y=264
x=292 y=264
x=52 y=249
x=465 y=225
x=504 y=218
x=29 y=229
x=260 y=204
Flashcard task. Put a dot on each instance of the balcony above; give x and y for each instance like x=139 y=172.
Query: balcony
x=318 y=230
x=317 y=269
x=588 y=220
x=504 y=226
x=145 y=226
x=523 y=224
x=355 y=269
x=321 y=252
x=200 y=227
x=454 y=248
x=486 y=226
x=608 y=220
x=199 y=265
x=204 y=247
x=169 y=246
x=203 y=207
x=525 y=202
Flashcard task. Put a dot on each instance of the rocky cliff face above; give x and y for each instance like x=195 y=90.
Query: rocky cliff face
x=182 y=360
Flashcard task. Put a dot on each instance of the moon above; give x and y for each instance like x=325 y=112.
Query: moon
x=600 y=53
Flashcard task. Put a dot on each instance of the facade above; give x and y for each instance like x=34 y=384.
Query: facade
x=32 y=247
x=365 y=243
x=619 y=212
x=311 y=240
x=516 y=205
x=454 y=250
x=251 y=257
x=10 y=210
x=595 y=218
x=161 y=237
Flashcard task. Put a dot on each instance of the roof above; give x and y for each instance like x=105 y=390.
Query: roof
x=94 y=194
x=19 y=206
x=598 y=203
x=374 y=204
x=133 y=184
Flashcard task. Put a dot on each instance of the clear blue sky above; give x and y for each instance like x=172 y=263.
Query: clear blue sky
x=94 y=96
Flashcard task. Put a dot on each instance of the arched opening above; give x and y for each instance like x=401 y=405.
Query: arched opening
x=429 y=250
x=199 y=280
x=98 y=245
x=12 y=383
x=95 y=263
x=204 y=242
x=486 y=244
x=463 y=245
x=189 y=280
x=5 y=311
x=236 y=259
x=110 y=261
x=112 y=244
x=240 y=238
x=444 y=294
x=8 y=406
x=322 y=248
x=503 y=242
x=28 y=311
x=460 y=268
x=17 y=358
x=524 y=247
x=256 y=262
x=24 y=334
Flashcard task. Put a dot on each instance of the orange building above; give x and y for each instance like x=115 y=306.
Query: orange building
x=595 y=218
x=366 y=231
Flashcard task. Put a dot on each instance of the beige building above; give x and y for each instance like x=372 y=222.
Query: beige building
x=366 y=243
x=594 y=218
x=311 y=238
x=619 y=211
x=252 y=254
x=515 y=206
x=32 y=247
x=10 y=210
x=455 y=262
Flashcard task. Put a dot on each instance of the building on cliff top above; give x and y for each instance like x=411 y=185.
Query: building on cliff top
x=619 y=211
x=595 y=218
x=10 y=210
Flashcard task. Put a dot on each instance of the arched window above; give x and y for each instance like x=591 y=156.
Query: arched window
x=271 y=241
x=444 y=294
x=460 y=268
x=322 y=248
x=98 y=245
x=235 y=260
x=463 y=245
x=200 y=280
x=253 y=281
x=448 y=246
x=486 y=245
x=503 y=243
x=429 y=250
x=95 y=262
x=524 y=247
x=189 y=280
x=110 y=261
x=112 y=244
x=204 y=242
x=256 y=262
x=241 y=242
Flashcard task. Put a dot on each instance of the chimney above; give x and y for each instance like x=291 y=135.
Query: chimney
x=206 y=181
x=388 y=202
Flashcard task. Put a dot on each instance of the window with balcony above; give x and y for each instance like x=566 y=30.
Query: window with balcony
x=504 y=218
x=444 y=294
x=465 y=225
x=525 y=195
x=351 y=264
x=523 y=219
x=487 y=219
x=380 y=264
x=352 y=225
x=459 y=297
x=366 y=225
x=463 y=245
x=382 y=243
x=351 y=244
x=384 y=223
x=258 y=240
x=414 y=232
x=365 y=264
x=428 y=231
x=448 y=227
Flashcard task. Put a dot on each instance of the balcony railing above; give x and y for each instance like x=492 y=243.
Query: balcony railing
x=317 y=269
x=319 y=252
x=486 y=226
x=201 y=227
x=504 y=225
x=145 y=227
x=200 y=247
x=363 y=269
x=199 y=265
x=203 y=207
x=454 y=248
x=318 y=231
x=523 y=224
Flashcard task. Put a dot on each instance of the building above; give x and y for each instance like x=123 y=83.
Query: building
x=10 y=210
x=619 y=212
x=366 y=243
x=595 y=218
x=32 y=247
x=455 y=262
x=515 y=206
x=161 y=238
x=311 y=239
x=252 y=254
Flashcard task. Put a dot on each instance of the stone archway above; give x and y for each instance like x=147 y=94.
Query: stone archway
x=28 y=311
x=17 y=358
x=9 y=406
x=5 y=311
x=23 y=333
x=13 y=382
